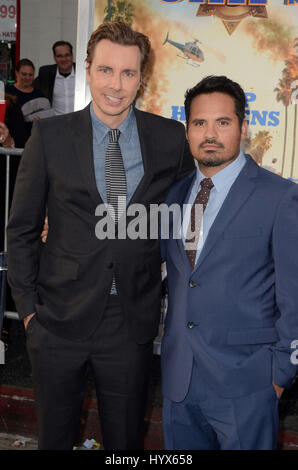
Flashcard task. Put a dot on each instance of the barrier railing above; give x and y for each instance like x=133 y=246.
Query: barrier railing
x=6 y=153
x=3 y=269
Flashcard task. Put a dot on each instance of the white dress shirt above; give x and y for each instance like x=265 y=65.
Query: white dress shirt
x=63 y=94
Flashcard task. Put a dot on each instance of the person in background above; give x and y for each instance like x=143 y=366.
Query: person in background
x=13 y=130
x=57 y=81
x=33 y=103
x=12 y=134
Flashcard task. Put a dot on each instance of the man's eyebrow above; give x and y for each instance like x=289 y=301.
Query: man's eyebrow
x=104 y=66
x=198 y=120
x=224 y=118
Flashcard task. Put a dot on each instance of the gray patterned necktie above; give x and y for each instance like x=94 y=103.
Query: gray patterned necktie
x=115 y=175
x=202 y=198
x=115 y=180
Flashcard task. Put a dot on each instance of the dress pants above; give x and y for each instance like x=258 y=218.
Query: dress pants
x=121 y=370
x=206 y=421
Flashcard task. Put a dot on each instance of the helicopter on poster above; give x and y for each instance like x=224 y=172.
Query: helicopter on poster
x=191 y=52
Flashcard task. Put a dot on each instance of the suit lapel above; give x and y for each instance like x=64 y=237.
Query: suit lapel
x=181 y=197
x=149 y=149
x=240 y=191
x=52 y=78
x=83 y=142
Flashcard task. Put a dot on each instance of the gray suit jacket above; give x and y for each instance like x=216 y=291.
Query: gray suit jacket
x=68 y=284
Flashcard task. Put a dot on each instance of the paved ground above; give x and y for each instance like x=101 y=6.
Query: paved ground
x=15 y=442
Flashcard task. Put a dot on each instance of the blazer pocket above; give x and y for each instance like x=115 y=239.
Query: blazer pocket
x=252 y=336
x=251 y=232
x=60 y=266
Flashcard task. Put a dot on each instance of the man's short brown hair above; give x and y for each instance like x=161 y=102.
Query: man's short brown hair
x=119 y=33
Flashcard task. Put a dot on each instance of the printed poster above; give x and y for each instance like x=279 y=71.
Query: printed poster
x=254 y=43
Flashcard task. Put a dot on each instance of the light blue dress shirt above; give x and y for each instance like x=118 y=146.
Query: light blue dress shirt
x=131 y=153
x=130 y=148
x=222 y=181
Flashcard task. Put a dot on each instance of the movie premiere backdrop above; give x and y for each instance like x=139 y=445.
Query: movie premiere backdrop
x=252 y=42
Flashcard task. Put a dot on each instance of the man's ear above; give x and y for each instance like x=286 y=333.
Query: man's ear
x=244 y=129
x=88 y=72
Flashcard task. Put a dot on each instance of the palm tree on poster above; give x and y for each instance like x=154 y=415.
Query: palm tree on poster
x=294 y=140
x=283 y=91
x=259 y=145
x=292 y=71
x=119 y=10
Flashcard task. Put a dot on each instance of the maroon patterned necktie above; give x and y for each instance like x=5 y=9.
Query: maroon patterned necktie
x=192 y=238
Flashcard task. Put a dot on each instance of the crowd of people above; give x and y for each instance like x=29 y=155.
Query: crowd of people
x=28 y=99
x=31 y=98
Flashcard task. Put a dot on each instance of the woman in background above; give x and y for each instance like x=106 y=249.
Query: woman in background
x=13 y=130
x=32 y=102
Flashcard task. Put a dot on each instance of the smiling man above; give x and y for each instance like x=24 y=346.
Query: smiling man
x=232 y=283
x=57 y=81
x=92 y=305
x=114 y=76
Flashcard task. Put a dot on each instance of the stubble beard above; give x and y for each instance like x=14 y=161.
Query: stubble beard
x=212 y=158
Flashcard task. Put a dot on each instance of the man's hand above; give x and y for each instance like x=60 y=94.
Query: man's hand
x=44 y=233
x=279 y=390
x=27 y=319
x=5 y=138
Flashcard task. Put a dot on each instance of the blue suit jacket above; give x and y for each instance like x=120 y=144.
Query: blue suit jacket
x=237 y=312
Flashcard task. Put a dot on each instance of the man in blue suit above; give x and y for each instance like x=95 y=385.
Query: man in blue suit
x=233 y=291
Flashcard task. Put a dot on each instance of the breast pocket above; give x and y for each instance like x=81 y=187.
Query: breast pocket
x=57 y=268
x=243 y=233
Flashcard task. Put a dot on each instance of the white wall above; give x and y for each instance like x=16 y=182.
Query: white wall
x=42 y=23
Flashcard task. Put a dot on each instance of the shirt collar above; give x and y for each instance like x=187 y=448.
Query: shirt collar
x=226 y=176
x=101 y=129
x=58 y=74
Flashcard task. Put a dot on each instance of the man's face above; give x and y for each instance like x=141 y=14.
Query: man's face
x=114 y=77
x=214 y=133
x=63 y=58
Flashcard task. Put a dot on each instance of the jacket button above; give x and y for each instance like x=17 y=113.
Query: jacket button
x=192 y=284
x=190 y=325
x=110 y=265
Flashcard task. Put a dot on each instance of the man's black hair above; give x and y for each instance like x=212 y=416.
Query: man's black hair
x=217 y=84
x=61 y=43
